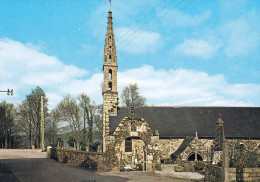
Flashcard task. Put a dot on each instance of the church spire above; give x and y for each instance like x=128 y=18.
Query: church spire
x=110 y=47
x=110 y=58
x=110 y=94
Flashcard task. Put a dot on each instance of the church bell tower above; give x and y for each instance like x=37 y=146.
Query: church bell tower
x=110 y=94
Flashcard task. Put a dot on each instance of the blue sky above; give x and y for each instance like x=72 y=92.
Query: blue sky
x=180 y=52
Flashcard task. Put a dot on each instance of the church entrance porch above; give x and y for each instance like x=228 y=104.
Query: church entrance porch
x=133 y=146
x=133 y=154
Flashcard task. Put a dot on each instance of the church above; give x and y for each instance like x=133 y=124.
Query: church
x=142 y=138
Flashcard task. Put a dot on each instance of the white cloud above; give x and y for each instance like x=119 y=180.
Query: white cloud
x=189 y=87
x=160 y=87
x=136 y=41
x=182 y=19
x=242 y=35
x=197 y=48
x=23 y=67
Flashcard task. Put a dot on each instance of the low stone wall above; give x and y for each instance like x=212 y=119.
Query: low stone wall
x=214 y=173
x=245 y=174
x=166 y=167
x=90 y=160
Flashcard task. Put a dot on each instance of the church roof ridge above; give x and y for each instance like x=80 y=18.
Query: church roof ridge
x=190 y=107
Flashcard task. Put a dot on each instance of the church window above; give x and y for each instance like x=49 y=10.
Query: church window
x=192 y=157
x=110 y=75
x=110 y=86
x=110 y=58
x=128 y=145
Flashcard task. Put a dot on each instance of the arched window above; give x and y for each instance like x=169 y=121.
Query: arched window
x=109 y=85
x=192 y=157
x=128 y=145
x=110 y=58
x=110 y=75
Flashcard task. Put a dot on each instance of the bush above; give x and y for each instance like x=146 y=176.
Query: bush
x=243 y=158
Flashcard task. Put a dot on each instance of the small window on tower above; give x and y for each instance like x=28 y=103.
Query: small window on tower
x=110 y=86
x=110 y=58
x=110 y=75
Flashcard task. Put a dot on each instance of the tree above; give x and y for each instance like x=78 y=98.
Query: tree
x=90 y=114
x=69 y=111
x=24 y=123
x=29 y=114
x=98 y=123
x=52 y=127
x=84 y=104
x=131 y=96
x=7 y=125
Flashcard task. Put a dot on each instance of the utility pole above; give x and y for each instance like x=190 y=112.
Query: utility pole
x=42 y=125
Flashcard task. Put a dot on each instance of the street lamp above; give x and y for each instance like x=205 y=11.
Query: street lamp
x=9 y=92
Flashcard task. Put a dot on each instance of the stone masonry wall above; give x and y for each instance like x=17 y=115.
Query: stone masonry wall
x=90 y=160
x=168 y=146
x=109 y=102
x=203 y=146
x=247 y=174
x=136 y=127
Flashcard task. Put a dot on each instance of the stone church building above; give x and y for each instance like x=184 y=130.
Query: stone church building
x=142 y=138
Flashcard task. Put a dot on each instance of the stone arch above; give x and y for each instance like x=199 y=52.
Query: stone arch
x=123 y=129
x=142 y=131
x=242 y=146
x=257 y=148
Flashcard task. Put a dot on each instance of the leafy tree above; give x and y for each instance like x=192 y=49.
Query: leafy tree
x=131 y=96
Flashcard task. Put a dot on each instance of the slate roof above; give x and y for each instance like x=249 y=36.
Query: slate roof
x=180 y=122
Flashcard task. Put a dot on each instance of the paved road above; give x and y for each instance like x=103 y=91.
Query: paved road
x=35 y=166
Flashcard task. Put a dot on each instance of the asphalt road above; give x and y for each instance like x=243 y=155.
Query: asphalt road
x=35 y=166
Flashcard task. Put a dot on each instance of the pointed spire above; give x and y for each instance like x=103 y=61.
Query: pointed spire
x=220 y=136
x=110 y=47
x=220 y=121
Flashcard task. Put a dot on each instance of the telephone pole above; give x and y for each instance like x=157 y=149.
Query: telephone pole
x=42 y=125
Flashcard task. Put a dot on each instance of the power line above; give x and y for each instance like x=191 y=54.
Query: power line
x=118 y=44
